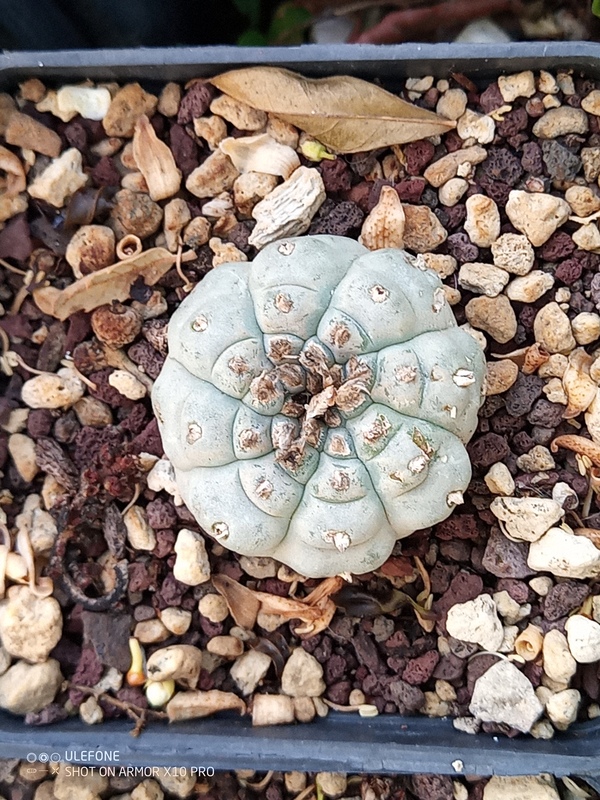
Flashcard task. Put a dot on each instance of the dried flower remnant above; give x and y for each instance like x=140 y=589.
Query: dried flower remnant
x=155 y=161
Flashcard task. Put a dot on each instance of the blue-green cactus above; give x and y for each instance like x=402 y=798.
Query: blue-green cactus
x=315 y=403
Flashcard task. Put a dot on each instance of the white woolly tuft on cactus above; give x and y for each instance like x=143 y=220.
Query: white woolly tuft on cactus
x=315 y=403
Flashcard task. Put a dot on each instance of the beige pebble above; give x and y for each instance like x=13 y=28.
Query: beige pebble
x=127 y=384
x=213 y=607
x=444 y=265
x=546 y=83
x=259 y=567
x=559 y=664
x=562 y=708
x=583 y=200
x=61 y=179
x=479 y=127
x=555 y=366
x=28 y=688
x=514 y=253
x=500 y=376
x=590 y=156
x=541 y=585
x=332 y=784
x=531 y=787
x=552 y=329
x=452 y=104
x=530 y=287
x=560 y=122
x=304 y=709
x=483 y=220
x=212 y=129
x=151 y=631
x=176 y=620
x=215 y=175
x=93 y=412
x=249 y=670
x=249 y=189
x=588 y=237
x=538 y=459
x=519 y=84
x=494 y=315
x=22 y=452
x=419 y=84
x=272 y=709
x=499 y=480
x=228 y=647
x=536 y=214
x=295 y=782
x=476 y=621
x=191 y=564
x=139 y=533
x=30 y=626
x=591 y=103
x=565 y=555
x=53 y=390
x=447 y=167
x=586 y=327
x=482 y=278
x=555 y=391
x=91 y=711
x=240 y=114
x=451 y=192
x=302 y=675
x=422 y=231
x=282 y=132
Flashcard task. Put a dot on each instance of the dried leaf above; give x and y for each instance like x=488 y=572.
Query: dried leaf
x=108 y=284
x=242 y=603
x=344 y=113
x=155 y=161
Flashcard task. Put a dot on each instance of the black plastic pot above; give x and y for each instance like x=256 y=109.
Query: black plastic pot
x=344 y=742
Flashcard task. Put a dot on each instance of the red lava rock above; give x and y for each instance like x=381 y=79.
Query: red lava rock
x=561 y=164
x=419 y=670
x=568 y=271
x=397 y=643
x=531 y=160
x=105 y=173
x=546 y=413
x=39 y=422
x=488 y=449
x=359 y=194
x=335 y=668
x=170 y=592
x=15 y=239
x=195 y=102
x=418 y=155
x=503 y=423
x=461 y=526
x=432 y=787
x=165 y=541
x=497 y=190
x=47 y=716
x=344 y=218
x=502 y=165
x=518 y=590
x=406 y=696
x=449 y=668
x=491 y=98
x=89 y=671
x=184 y=149
x=440 y=577
x=513 y=122
x=339 y=692
x=563 y=598
x=533 y=672
x=336 y=174
x=504 y=558
x=161 y=514
x=460 y=246
x=523 y=393
x=559 y=245
x=148 y=441
x=367 y=653
x=109 y=636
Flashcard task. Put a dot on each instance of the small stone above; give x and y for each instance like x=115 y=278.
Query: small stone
x=467 y=725
x=126 y=108
x=27 y=688
x=500 y=376
x=562 y=708
x=30 y=626
x=538 y=459
x=249 y=189
x=476 y=621
x=451 y=192
x=423 y=231
x=583 y=200
x=507 y=608
x=520 y=84
x=135 y=213
x=482 y=278
x=494 y=315
x=176 y=620
x=531 y=287
x=590 y=156
x=483 y=220
x=586 y=327
x=213 y=607
x=537 y=215
x=192 y=566
x=452 y=104
x=228 y=647
x=332 y=784
x=179 y=783
x=249 y=670
x=90 y=711
x=552 y=329
x=259 y=567
x=139 y=533
x=446 y=167
x=531 y=787
x=476 y=126
x=127 y=384
x=588 y=237
x=555 y=392
x=302 y=675
x=505 y=558
x=591 y=103
x=215 y=175
x=561 y=121
x=583 y=636
x=93 y=412
x=22 y=452
x=504 y=695
x=444 y=265
x=559 y=664
x=564 y=555
x=541 y=585
x=241 y=115
x=499 y=480
x=151 y=631
x=514 y=253
x=60 y=180
x=526 y=519
x=53 y=390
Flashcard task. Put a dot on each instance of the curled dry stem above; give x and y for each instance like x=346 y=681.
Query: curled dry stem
x=579 y=445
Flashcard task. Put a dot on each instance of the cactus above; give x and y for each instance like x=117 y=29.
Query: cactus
x=315 y=403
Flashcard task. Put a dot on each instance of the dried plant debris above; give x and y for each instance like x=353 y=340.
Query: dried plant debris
x=114 y=204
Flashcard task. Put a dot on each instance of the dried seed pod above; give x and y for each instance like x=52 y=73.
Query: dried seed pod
x=128 y=247
x=578 y=385
x=535 y=356
x=384 y=227
x=155 y=161
x=116 y=325
x=261 y=154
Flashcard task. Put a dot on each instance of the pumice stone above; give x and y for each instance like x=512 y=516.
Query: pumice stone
x=316 y=403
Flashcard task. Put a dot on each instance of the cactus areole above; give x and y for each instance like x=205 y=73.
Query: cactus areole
x=316 y=403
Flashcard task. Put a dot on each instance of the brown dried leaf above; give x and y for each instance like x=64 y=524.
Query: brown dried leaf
x=241 y=601
x=346 y=114
x=106 y=285
x=155 y=161
x=195 y=704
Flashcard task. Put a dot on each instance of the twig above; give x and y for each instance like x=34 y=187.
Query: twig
x=137 y=713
